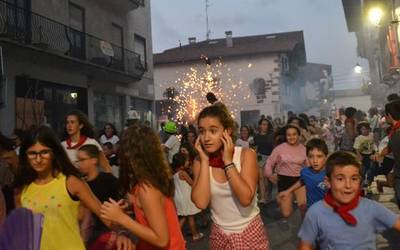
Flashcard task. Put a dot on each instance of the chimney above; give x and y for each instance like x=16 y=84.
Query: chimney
x=192 y=40
x=229 y=41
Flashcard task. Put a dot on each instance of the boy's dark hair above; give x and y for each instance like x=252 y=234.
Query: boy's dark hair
x=108 y=145
x=350 y=112
x=393 y=109
x=91 y=150
x=317 y=143
x=361 y=125
x=178 y=160
x=341 y=159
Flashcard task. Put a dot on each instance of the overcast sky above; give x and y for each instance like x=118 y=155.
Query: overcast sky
x=323 y=22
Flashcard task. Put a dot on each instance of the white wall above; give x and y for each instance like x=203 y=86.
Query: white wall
x=359 y=102
x=261 y=66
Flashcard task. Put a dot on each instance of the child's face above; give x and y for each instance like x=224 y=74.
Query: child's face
x=184 y=151
x=364 y=131
x=317 y=159
x=107 y=151
x=85 y=162
x=72 y=125
x=210 y=133
x=244 y=133
x=345 y=183
x=40 y=158
x=191 y=137
x=292 y=136
x=264 y=126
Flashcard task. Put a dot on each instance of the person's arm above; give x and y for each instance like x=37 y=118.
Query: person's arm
x=201 y=178
x=243 y=184
x=305 y=246
x=185 y=177
x=152 y=203
x=103 y=162
x=81 y=190
x=396 y=225
x=270 y=165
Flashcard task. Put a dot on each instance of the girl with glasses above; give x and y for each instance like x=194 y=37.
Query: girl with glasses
x=48 y=184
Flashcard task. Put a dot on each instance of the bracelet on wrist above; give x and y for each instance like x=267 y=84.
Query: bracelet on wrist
x=229 y=166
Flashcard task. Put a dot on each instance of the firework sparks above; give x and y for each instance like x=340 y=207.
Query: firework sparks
x=192 y=87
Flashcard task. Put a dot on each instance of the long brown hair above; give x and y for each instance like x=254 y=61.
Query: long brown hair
x=143 y=161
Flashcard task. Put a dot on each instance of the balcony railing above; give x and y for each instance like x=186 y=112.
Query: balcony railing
x=32 y=29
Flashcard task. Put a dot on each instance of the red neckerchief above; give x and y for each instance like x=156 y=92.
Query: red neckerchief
x=395 y=127
x=82 y=140
x=108 y=138
x=343 y=210
x=216 y=161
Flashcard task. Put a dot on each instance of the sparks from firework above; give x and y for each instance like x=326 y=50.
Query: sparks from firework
x=192 y=87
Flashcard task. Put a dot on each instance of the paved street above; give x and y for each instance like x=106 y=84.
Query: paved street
x=284 y=236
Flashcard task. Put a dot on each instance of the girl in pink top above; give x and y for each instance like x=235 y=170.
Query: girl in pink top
x=283 y=167
x=145 y=173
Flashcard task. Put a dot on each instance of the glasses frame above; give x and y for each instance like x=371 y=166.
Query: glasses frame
x=44 y=154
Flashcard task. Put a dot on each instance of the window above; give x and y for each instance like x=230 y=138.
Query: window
x=140 y=48
x=77 y=23
x=285 y=63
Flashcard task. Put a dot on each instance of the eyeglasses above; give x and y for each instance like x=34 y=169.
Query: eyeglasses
x=44 y=154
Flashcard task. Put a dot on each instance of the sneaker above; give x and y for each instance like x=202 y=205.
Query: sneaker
x=197 y=237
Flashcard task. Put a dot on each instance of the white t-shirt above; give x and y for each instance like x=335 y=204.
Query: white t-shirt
x=72 y=153
x=173 y=146
x=114 y=139
x=243 y=143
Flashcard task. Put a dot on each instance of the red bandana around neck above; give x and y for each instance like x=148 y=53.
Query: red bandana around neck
x=108 y=137
x=82 y=140
x=395 y=127
x=343 y=210
x=216 y=161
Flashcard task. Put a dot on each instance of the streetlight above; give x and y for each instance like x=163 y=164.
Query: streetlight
x=358 y=69
x=375 y=15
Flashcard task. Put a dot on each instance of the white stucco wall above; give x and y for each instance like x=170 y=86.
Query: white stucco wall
x=359 y=102
x=261 y=67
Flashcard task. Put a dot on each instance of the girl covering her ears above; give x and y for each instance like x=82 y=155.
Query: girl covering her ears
x=146 y=175
x=50 y=186
x=225 y=177
x=79 y=132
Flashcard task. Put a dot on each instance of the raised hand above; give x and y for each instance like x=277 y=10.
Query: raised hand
x=203 y=156
x=229 y=148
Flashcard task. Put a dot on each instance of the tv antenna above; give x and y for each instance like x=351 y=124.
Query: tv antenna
x=208 y=31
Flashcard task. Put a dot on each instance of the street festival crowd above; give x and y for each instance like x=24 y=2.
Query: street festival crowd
x=138 y=188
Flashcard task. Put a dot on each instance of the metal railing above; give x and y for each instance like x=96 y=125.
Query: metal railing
x=33 y=29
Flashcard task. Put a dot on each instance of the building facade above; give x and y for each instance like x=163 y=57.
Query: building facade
x=378 y=43
x=316 y=84
x=265 y=65
x=356 y=98
x=91 y=55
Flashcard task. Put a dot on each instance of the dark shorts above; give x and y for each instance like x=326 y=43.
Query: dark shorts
x=285 y=182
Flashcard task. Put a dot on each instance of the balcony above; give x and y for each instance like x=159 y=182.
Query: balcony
x=38 y=32
x=122 y=5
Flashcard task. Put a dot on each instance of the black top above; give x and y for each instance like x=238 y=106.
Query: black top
x=394 y=145
x=264 y=143
x=105 y=186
